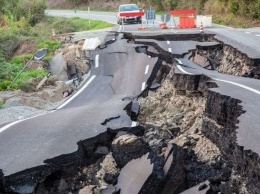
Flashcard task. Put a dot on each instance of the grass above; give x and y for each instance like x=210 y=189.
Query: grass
x=63 y=25
x=30 y=74
x=41 y=35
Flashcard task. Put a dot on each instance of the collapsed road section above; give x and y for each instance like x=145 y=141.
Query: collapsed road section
x=187 y=140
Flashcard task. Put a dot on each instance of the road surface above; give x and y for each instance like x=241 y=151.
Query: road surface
x=120 y=72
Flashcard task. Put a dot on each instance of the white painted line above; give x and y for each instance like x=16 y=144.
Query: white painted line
x=143 y=86
x=77 y=93
x=226 y=81
x=178 y=60
x=240 y=85
x=134 y=124
x=64 y=104
x=15 y=122
x=146 y=69
x=180 y=68
x=258 y=35
x=168 y=42
x=170 y=50
x=230 y=28
x=248 y=32
x=96 y=61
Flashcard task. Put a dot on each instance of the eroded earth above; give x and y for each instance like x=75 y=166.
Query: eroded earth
x=187 y=130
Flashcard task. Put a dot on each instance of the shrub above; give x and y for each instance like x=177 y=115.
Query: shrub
x=9 y=40
x=51 y=45
x=4 y=85
x=234 y=7
x=21 y=59
x=255 y=10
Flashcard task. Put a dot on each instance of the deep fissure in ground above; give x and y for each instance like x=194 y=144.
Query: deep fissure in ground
x=188 y=130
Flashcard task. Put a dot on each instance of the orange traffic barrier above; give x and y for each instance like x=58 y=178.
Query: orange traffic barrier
x=183 y=12
x=186 y=18
x=187 y=22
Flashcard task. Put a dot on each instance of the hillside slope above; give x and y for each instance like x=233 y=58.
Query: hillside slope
x=237 y=13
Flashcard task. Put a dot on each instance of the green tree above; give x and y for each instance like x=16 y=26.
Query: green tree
x=31 y=10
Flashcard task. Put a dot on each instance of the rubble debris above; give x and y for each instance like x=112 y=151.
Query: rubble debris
x=67 y=93
x=109 y=119
x=185 y=143
x=134 y=175
x=127 y=147
x=225 y=59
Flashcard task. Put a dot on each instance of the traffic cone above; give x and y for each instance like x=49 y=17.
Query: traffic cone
x=201 y=28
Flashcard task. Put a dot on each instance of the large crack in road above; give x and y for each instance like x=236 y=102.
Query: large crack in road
x=186 y=140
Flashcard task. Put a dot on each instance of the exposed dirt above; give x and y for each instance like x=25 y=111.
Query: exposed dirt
x=180 y=129
x=25 y=47
x=21 y=104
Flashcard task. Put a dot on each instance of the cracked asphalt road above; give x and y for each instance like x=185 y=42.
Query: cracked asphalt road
x=120 y=73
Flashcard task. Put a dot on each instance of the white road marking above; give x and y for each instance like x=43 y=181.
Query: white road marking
x=134 y=124
x=258 y=35
x=96 y=61
x=146 y=69
x=77 y=93
x=178 y=60
x=170 y=50
x=168 y=42
x=240 y=85
x=230 y=28
x=248 y=32
x=183 y=70
x=143 y=86
x=15 y=122
x=226 y=81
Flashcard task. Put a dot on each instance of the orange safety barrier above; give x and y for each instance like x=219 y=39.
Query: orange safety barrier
x=187 y=22
x=186 y=17
x=183 y=12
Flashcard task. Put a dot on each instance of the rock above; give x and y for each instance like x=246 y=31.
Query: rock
x=62 y=186
x=108 y=172
x=111 y=178
x=102 y=150
x=26 y=189
x=135 y=174
x=87 y=190
x=203 y=186
x=127 y=147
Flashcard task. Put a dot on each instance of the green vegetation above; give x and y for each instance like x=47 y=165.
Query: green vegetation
x=248 y=8
x=1 y=103
x=237 y=13
x=22 y=22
